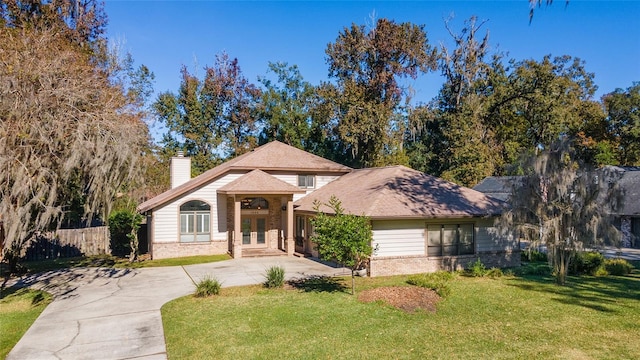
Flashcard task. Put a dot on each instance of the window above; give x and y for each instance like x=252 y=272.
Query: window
x=450 y=240
x=195 y=219
x=307 y=181
x=254 y=204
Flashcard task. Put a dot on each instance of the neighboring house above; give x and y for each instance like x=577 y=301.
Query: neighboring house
x=498 y=187
x=260 y=203
x=630 y=210
x=628 y=216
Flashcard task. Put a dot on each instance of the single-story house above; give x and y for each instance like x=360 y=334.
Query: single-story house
x=628 y=215
x=260 y=203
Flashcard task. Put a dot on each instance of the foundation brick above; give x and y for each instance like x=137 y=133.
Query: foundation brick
x=404 y=265
x=176 y=249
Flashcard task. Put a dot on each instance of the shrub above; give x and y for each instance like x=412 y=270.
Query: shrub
x=122 y=224
x=437 y=281
x=588 y=263
x=509 y=273
x=477 y=268
x=207 y=287
x=494 y=273
x=618 y=267
x=533 y=256
x=534 y=269
x=275 y=277
x=601 y=271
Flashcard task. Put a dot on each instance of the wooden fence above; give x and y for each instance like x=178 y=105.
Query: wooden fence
x=69 y=243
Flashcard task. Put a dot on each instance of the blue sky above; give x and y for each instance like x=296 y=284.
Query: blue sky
x=164 y=35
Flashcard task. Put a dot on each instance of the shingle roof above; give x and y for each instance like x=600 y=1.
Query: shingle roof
x=259 y=182
x=400 y=192
x=279 y=156
x=271 y=156
x=498 y=187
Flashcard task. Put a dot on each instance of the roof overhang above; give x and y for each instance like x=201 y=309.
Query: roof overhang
x=259 y=192
x=412 y=217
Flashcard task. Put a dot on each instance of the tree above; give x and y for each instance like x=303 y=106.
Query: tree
x=82 y=22
x=345 y=238
x=368 y=98
x=210 y=118
x=541 y=100
x=425 y=139
x=65 y=122
x=191 y=123
x=469 y=151
x=235 y=100
x=123 y=229
x=285 y=107
x=623 y=119
x=563 y=204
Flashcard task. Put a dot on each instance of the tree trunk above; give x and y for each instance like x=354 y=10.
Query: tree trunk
x=561 y=265
x=353 y=281
x=133 y=243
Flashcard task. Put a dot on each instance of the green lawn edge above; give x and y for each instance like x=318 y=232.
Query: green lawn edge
x=19 y=308
x=511 y=317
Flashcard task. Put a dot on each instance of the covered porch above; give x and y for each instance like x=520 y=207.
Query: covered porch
x=260 y=219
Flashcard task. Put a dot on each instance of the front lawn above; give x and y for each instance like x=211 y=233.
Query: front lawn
x=504 y=318
x=18 y=310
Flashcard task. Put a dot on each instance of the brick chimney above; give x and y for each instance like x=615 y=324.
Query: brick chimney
x=180 y=170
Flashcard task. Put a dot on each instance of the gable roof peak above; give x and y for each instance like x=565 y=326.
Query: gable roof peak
x=272 y=156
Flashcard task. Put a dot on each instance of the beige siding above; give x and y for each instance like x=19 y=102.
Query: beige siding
x=288 y=178
x=488 y=237
x=398 y=237
x=321 y=180
x=166 y=226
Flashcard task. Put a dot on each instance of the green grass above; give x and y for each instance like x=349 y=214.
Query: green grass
x=33 y=267
x=190 y=260
x=502 y=318
x=18 y=310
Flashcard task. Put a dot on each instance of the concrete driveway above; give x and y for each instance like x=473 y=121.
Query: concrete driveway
x=115 y=313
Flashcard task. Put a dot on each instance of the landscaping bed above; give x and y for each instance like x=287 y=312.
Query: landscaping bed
x=406 y=298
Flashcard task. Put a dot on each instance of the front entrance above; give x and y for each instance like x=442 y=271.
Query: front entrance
x=254 y=231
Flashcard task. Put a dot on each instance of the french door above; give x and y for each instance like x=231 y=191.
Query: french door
x=254 y=231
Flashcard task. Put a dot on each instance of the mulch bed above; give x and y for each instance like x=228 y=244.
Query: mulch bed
x=406 y=298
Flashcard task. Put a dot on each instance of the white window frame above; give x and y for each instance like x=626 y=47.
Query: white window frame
x=195 y=225
x=305 y=179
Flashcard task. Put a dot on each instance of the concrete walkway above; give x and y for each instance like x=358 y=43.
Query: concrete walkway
x=115 y=313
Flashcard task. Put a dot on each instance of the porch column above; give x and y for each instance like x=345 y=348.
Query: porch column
x=237 y=230
x=290 y=240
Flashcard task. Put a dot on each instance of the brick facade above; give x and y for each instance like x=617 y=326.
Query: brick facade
x=274 y=219
x=422 y=264
x=177 y=249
